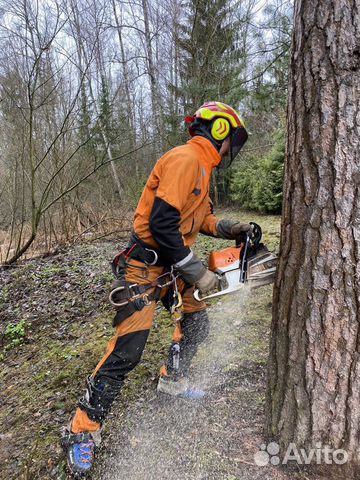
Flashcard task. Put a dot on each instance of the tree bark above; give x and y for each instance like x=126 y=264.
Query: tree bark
x=314 y=368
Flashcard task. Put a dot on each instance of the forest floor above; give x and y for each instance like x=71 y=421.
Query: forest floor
x=55 y=322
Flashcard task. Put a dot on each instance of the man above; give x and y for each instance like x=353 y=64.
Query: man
x=174 y=207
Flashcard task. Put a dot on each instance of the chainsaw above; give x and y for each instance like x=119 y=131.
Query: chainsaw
x=248 y=263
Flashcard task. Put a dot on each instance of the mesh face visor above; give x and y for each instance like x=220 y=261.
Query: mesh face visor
x=237 y=141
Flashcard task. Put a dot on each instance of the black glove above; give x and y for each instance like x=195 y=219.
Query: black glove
x=233 y=230
x=208 y=282
x=195 y=273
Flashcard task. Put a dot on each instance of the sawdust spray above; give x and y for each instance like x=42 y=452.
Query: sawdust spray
x=172 y=439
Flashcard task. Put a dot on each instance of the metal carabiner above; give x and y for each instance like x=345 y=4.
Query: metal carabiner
x=146 y=299
x=156 y=257
x=118 y=289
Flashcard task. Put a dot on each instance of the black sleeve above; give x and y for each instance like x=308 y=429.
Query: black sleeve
x=164 y=227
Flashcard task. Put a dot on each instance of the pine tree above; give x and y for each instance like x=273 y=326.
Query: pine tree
x=207 y=50
x=257 y=183
x=268 y=91
x=314 y=364
x=209 y=61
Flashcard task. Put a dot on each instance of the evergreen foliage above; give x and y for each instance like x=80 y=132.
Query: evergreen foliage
x=257 y=184
x=208 y=53
x=216 y=64
x=210 y=63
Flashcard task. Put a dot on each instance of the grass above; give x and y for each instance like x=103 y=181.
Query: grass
x=44 y=374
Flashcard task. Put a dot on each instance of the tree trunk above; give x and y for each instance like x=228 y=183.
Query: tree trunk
x=314 y=368
x=129 y=102
x=154 y=85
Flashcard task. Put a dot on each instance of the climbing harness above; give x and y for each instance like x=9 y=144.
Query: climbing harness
x=127 y=297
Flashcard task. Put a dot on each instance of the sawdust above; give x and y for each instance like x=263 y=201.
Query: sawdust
x=172 y=439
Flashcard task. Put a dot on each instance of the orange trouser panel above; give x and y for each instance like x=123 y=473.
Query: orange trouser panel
x=138 y=273
x=190 y=305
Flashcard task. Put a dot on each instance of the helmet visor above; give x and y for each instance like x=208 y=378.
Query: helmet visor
x=237 y=141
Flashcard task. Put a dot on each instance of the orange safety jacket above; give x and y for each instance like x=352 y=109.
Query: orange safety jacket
x=175 y=204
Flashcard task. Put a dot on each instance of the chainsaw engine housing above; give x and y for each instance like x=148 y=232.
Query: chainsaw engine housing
x=250 y=263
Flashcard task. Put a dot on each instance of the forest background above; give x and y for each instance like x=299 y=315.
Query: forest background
x=94 y=92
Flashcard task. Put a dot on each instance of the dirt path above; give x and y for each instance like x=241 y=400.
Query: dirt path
x=163 y=439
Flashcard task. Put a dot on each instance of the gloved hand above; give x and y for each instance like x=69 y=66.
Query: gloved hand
x=195 y=273
x=233 y=230
x=209 y=282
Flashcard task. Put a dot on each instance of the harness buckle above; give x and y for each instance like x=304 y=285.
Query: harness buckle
x=146 y=299
x=141 y=296
x=132 y=290
x=141 y=302
x=156 y=257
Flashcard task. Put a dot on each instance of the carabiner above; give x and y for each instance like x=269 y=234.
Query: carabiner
x=156 y=257
x=166 y=284
x=118 y=289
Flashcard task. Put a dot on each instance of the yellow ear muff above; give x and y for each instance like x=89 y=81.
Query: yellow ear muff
x=220 y=129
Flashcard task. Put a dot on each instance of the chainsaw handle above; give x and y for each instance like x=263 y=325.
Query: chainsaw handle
x=222 y=285
x=252 y=243
x=256 y=234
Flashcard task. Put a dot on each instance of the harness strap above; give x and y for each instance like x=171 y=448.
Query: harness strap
x=126 y=291
x=137 y=250
x=135 y=305
x=130 y=298
x=127 y=297
x=120 y=296
x=144 y=252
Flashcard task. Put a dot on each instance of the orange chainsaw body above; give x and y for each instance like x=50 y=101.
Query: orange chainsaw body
x=224 y=258
x=250 y=263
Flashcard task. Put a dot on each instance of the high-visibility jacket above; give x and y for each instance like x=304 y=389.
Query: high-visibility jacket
x=175 y=204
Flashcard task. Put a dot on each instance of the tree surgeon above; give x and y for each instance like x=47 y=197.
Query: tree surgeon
x=174 y=207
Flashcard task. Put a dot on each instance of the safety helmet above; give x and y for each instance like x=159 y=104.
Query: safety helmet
x=217 y=121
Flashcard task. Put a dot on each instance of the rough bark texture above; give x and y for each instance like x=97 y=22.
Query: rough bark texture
x=314 y=369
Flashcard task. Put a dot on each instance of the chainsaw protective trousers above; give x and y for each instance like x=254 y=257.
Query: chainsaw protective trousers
x=194 y=329
x=125 y=349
